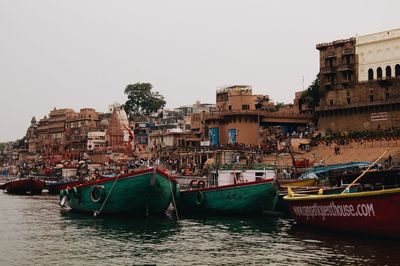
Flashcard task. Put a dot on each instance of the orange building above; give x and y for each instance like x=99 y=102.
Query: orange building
x=240 y=115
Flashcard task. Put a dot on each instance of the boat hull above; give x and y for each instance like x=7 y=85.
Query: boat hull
x=243 y=198
x=24 y=185
x=141 y=193
x=56 y=187
x=373 y=212
x=297 y=182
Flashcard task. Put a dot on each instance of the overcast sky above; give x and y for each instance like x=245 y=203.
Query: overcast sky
x=83 y=53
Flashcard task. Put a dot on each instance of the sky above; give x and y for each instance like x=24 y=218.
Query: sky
x=77 y=54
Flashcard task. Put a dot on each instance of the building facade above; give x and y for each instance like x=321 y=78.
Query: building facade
x=370 y=99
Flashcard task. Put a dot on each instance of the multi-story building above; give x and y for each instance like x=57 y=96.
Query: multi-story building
x=370 y=100
x=77 y=127
x=240 y=114
x=337 y=64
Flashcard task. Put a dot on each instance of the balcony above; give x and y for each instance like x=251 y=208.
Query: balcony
x=330 y=55
x=346 y=67
x=328 y=70
x=348 y=51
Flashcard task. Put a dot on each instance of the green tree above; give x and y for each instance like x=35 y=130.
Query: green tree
x=142 y=100
x=312 y=95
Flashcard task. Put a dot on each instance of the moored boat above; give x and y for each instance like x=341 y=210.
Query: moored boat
x=307 y=182
x=282 y=205
x=370 y=212
x=24 y=185
x=231 y=192
x=56 y=186
x=138 y=193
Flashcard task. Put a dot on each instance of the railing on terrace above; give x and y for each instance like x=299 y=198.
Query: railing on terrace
x=393 y=99
x=218 y=114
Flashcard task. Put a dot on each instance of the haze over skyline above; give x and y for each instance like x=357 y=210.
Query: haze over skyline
x=76 y=54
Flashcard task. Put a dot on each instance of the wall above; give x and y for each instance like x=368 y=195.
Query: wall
x=377 y=50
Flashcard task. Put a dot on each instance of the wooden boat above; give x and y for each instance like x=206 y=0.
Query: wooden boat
x=370 y=212
x=54 y=187
x=282 y=205
x=24 y=185
x=231 y=192
x=138 y=193
x=306 y=182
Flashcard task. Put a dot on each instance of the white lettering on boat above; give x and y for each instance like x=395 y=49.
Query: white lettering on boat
x=345 y=210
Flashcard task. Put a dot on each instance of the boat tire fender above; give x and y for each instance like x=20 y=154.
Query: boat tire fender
x=200 y=198
x=201 y=184
x=76 y=192
x=63 y=201
x=97 y=194
x=192 y=183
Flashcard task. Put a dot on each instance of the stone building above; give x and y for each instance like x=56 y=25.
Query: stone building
x=370 y=100
x=77 y=127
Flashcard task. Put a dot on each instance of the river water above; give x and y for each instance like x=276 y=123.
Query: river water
x=34 y=230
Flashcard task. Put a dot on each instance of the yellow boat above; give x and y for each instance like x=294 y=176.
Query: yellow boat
x=307 y=182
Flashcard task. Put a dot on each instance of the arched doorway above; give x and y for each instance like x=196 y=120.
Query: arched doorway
x=397 y=71
x=370 y=74
x=388 y=72
x=379 y=73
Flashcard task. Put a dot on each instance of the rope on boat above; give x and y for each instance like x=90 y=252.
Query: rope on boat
x=173 y=197
x=347 y=189
x=96 y=213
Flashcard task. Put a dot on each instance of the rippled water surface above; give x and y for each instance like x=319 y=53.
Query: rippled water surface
x=35 y=231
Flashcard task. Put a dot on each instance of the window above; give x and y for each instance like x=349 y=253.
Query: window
x=330 y=102
x=259 y=176
x=230 y=107
x=245 y=107
x=348 y=101
x=379 y=73
x=397 y=71
x=387 y=93
x=388 y=72
x=370 y=74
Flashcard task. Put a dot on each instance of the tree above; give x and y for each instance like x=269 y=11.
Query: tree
x=142 y=101
x=311 y=96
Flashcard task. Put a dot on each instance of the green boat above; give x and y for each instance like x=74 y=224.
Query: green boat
x=138 y=193
x=231 y=192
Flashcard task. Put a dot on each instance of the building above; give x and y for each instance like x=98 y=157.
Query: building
x=77 y=127
x=96 y=140
x=361 y=89
x=240 y=116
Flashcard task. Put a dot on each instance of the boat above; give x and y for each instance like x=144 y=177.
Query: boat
x=24 y=185
x=305 y=182
x=235 y=191
x=322 y=172
x=282 y=205
x=374 y=209
x=55 y=186
x=141 y=192
x=370 y=212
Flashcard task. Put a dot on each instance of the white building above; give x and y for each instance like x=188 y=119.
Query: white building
x=95 y=140
x=378 y=55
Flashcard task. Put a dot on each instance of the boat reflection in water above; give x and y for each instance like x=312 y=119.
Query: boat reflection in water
x=333 y=248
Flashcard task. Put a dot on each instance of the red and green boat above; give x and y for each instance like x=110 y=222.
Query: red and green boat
x=370 y=212
x=138 y=193
x=231 y=192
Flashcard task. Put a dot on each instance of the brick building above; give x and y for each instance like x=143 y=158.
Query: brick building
x=359 y=83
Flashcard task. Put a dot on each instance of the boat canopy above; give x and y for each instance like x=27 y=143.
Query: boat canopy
x=321 y=170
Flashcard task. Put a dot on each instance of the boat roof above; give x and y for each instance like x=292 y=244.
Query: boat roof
x=244 y=167
x=323 y=169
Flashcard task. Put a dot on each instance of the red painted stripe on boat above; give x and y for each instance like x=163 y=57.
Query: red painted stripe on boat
x=231 y=186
